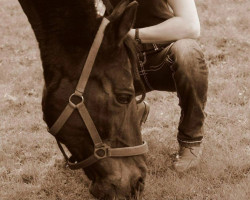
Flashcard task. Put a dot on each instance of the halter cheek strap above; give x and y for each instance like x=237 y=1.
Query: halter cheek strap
x=82 y=82
x=101 y=150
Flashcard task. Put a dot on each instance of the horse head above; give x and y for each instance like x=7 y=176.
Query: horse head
x=65 y=31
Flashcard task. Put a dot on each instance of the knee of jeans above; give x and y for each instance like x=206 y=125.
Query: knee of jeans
x=187 y=54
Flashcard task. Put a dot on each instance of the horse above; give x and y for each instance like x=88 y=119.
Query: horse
x=89 y=102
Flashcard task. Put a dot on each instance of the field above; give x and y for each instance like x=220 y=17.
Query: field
x=32 y=167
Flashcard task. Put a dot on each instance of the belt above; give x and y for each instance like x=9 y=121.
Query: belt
x=149 y=48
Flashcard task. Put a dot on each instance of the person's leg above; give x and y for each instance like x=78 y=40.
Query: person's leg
x=182 y=68
x=190 y=74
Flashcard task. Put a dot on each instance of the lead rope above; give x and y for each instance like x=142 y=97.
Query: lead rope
x=137 y=78
x=139 y=55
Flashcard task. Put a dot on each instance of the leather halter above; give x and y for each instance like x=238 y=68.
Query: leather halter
x=101 y=150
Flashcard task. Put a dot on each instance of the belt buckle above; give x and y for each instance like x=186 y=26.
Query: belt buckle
x=155 y=47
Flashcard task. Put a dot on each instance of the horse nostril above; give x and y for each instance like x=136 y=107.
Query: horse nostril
x=140 y=180
x=140 y=184
x=137 y=188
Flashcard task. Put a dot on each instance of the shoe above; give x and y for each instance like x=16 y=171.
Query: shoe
x=187 y=158
x=143 y=111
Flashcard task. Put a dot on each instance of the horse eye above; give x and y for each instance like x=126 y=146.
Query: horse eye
x=124 y=98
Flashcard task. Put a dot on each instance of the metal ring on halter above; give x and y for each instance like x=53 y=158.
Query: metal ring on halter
x=102 y=151
x=77 y=95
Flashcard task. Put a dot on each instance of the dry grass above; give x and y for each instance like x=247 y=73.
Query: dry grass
x=31 y=166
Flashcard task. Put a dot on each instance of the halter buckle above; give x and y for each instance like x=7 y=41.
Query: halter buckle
x=74 y=105
x=101 y=151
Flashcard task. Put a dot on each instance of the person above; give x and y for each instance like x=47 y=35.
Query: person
x=171 y=60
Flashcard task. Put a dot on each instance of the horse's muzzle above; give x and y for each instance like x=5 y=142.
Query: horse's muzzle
x=111 y=191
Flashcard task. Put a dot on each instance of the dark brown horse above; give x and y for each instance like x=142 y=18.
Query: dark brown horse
x=65 y=31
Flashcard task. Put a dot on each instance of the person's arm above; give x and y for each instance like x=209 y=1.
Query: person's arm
x=184 y=24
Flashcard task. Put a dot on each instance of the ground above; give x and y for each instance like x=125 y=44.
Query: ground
x=32 y=167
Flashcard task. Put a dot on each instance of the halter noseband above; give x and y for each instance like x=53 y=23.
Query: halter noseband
x=101 y=150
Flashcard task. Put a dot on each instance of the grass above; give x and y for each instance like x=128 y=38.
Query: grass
x=31 y=166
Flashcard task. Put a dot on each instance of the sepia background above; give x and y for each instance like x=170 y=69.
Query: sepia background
x=32 y=167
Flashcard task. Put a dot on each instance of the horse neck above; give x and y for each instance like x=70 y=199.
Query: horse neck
x=69 y=33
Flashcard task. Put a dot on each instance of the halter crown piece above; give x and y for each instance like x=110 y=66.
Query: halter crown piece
x=101 y=150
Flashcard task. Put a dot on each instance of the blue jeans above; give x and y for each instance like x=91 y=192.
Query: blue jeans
x=180 y=67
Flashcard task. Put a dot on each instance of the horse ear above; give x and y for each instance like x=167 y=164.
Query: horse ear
x=126 y=21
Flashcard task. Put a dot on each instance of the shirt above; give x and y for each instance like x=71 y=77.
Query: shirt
x=150 y=12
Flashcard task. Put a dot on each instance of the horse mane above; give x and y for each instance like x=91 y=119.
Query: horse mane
x=64 y=31
x=60 y=19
